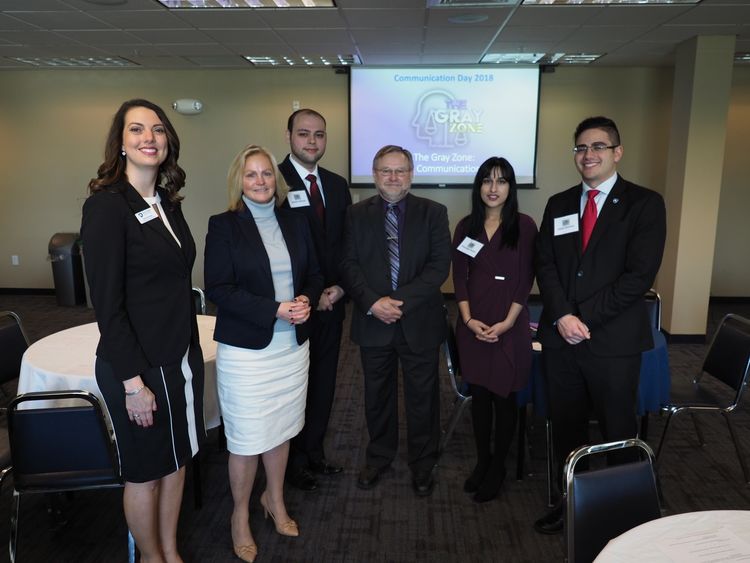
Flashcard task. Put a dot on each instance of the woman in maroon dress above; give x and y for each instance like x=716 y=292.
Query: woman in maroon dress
x=492 y=276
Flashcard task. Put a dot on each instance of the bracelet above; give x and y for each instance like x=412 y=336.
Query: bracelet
x=135 y=391
x=468 y=321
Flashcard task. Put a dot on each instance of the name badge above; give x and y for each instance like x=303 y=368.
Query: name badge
x=146 y=215
x=566 y=224
x=470 y=247
x=298 y=198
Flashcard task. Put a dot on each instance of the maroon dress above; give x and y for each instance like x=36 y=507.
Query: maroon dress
x=491 y=281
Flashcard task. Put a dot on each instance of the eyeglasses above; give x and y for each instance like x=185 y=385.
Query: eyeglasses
x=596 y=148
x=385 y=172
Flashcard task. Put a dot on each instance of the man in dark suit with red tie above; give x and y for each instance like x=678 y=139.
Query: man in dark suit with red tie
x=599 y=248
x=396 y=257
x=323 y=197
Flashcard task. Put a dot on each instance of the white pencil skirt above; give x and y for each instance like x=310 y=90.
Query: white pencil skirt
x=262 y=393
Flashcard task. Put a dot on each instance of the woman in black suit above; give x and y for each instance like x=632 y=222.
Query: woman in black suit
x=139 y=254
x=262 y=273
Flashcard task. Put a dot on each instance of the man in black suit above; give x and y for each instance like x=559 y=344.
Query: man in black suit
x=599 y=248
x=397 y=255
x=323 y=198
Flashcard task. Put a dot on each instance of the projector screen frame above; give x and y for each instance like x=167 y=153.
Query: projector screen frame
x=357 y=181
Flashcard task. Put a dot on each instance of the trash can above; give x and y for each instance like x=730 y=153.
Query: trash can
x=67 y=269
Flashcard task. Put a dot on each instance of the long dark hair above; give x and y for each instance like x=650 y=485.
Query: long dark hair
x=509 y=213
x=112 y=170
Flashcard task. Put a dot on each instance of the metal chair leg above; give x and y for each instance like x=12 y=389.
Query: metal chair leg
x=698 y=431
x=13 y=541
x=548 y=431
x=737 y=447
x=455 y=417
x=663 y=435
x=131 y=547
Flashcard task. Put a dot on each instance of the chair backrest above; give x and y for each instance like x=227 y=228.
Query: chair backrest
x=728 y=356
x=460 y=387
x=653 y=305
x=604 y=503
x=60 y=448
x=13 y=344
x=200 y=301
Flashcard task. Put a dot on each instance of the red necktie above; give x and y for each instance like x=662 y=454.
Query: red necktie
x=589 y=217
x=316 y=199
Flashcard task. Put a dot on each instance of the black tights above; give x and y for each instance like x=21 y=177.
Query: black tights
x=483 y=403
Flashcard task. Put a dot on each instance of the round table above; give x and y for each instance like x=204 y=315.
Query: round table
x=691 y=537
x=65 y=360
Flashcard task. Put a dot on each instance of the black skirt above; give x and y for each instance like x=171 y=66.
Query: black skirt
x=147 y=454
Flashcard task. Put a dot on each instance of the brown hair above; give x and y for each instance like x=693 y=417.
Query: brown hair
x=112 y=170
x=388 y=149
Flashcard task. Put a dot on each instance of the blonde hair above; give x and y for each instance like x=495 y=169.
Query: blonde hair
x=236 y=169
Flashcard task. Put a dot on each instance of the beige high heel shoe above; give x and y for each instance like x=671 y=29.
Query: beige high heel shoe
x=288 y=528
x=246 y=552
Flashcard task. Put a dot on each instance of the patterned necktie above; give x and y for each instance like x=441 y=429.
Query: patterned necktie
x=391 y=233
x=316 y=199
x=589 y=217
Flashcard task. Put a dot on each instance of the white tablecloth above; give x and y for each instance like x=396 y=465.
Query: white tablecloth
x=65 y=360
x=692 y=537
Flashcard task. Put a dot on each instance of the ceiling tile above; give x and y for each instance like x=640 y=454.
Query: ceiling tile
x=385 y=18
x=61 y=20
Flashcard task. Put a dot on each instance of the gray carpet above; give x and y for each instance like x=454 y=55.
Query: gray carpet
x=339 y=522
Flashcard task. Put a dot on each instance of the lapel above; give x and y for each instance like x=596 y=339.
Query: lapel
x=611 y=212
x=296 y=183
x=570 y=204
x=250 y=232
x=156 y=226
x=411 y=224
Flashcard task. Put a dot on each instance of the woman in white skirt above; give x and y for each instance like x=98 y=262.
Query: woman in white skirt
x=262 y=274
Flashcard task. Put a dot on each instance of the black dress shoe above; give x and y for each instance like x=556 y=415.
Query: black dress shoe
x=423 y=482
x=302 y=479
x=369 y=477
x=491 y=484
x=552 y=522
x=322 y=467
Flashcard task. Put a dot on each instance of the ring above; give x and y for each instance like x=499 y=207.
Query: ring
x=136 y=416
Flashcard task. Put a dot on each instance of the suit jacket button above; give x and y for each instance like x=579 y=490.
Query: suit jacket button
x=580 y=273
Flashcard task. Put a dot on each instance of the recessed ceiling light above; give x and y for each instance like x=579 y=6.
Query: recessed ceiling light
x=303 y=61
x=579 y=58
x=628 y=2
x=234 y=4
x=75 y=62
x=468 y=19
x=742 y=57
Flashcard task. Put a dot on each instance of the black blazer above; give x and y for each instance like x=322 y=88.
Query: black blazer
x=328 y=238
x=605 y=285
x=239 y=281
x=425 y=255
x=139 y=279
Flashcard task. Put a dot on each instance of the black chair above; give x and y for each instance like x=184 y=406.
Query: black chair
x=200 y=301
x=59 y=448
x=13 y=344
x=726 y=368
x=460 y=387
x=604 y=503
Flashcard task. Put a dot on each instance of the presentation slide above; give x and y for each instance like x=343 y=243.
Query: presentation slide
x=450 y=119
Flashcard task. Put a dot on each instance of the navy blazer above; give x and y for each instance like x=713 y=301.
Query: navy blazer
x=239 y=280
x=139 y=279
x=605 y=284
x=425 y=256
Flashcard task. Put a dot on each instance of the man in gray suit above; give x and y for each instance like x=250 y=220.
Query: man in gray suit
x=396 y=257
